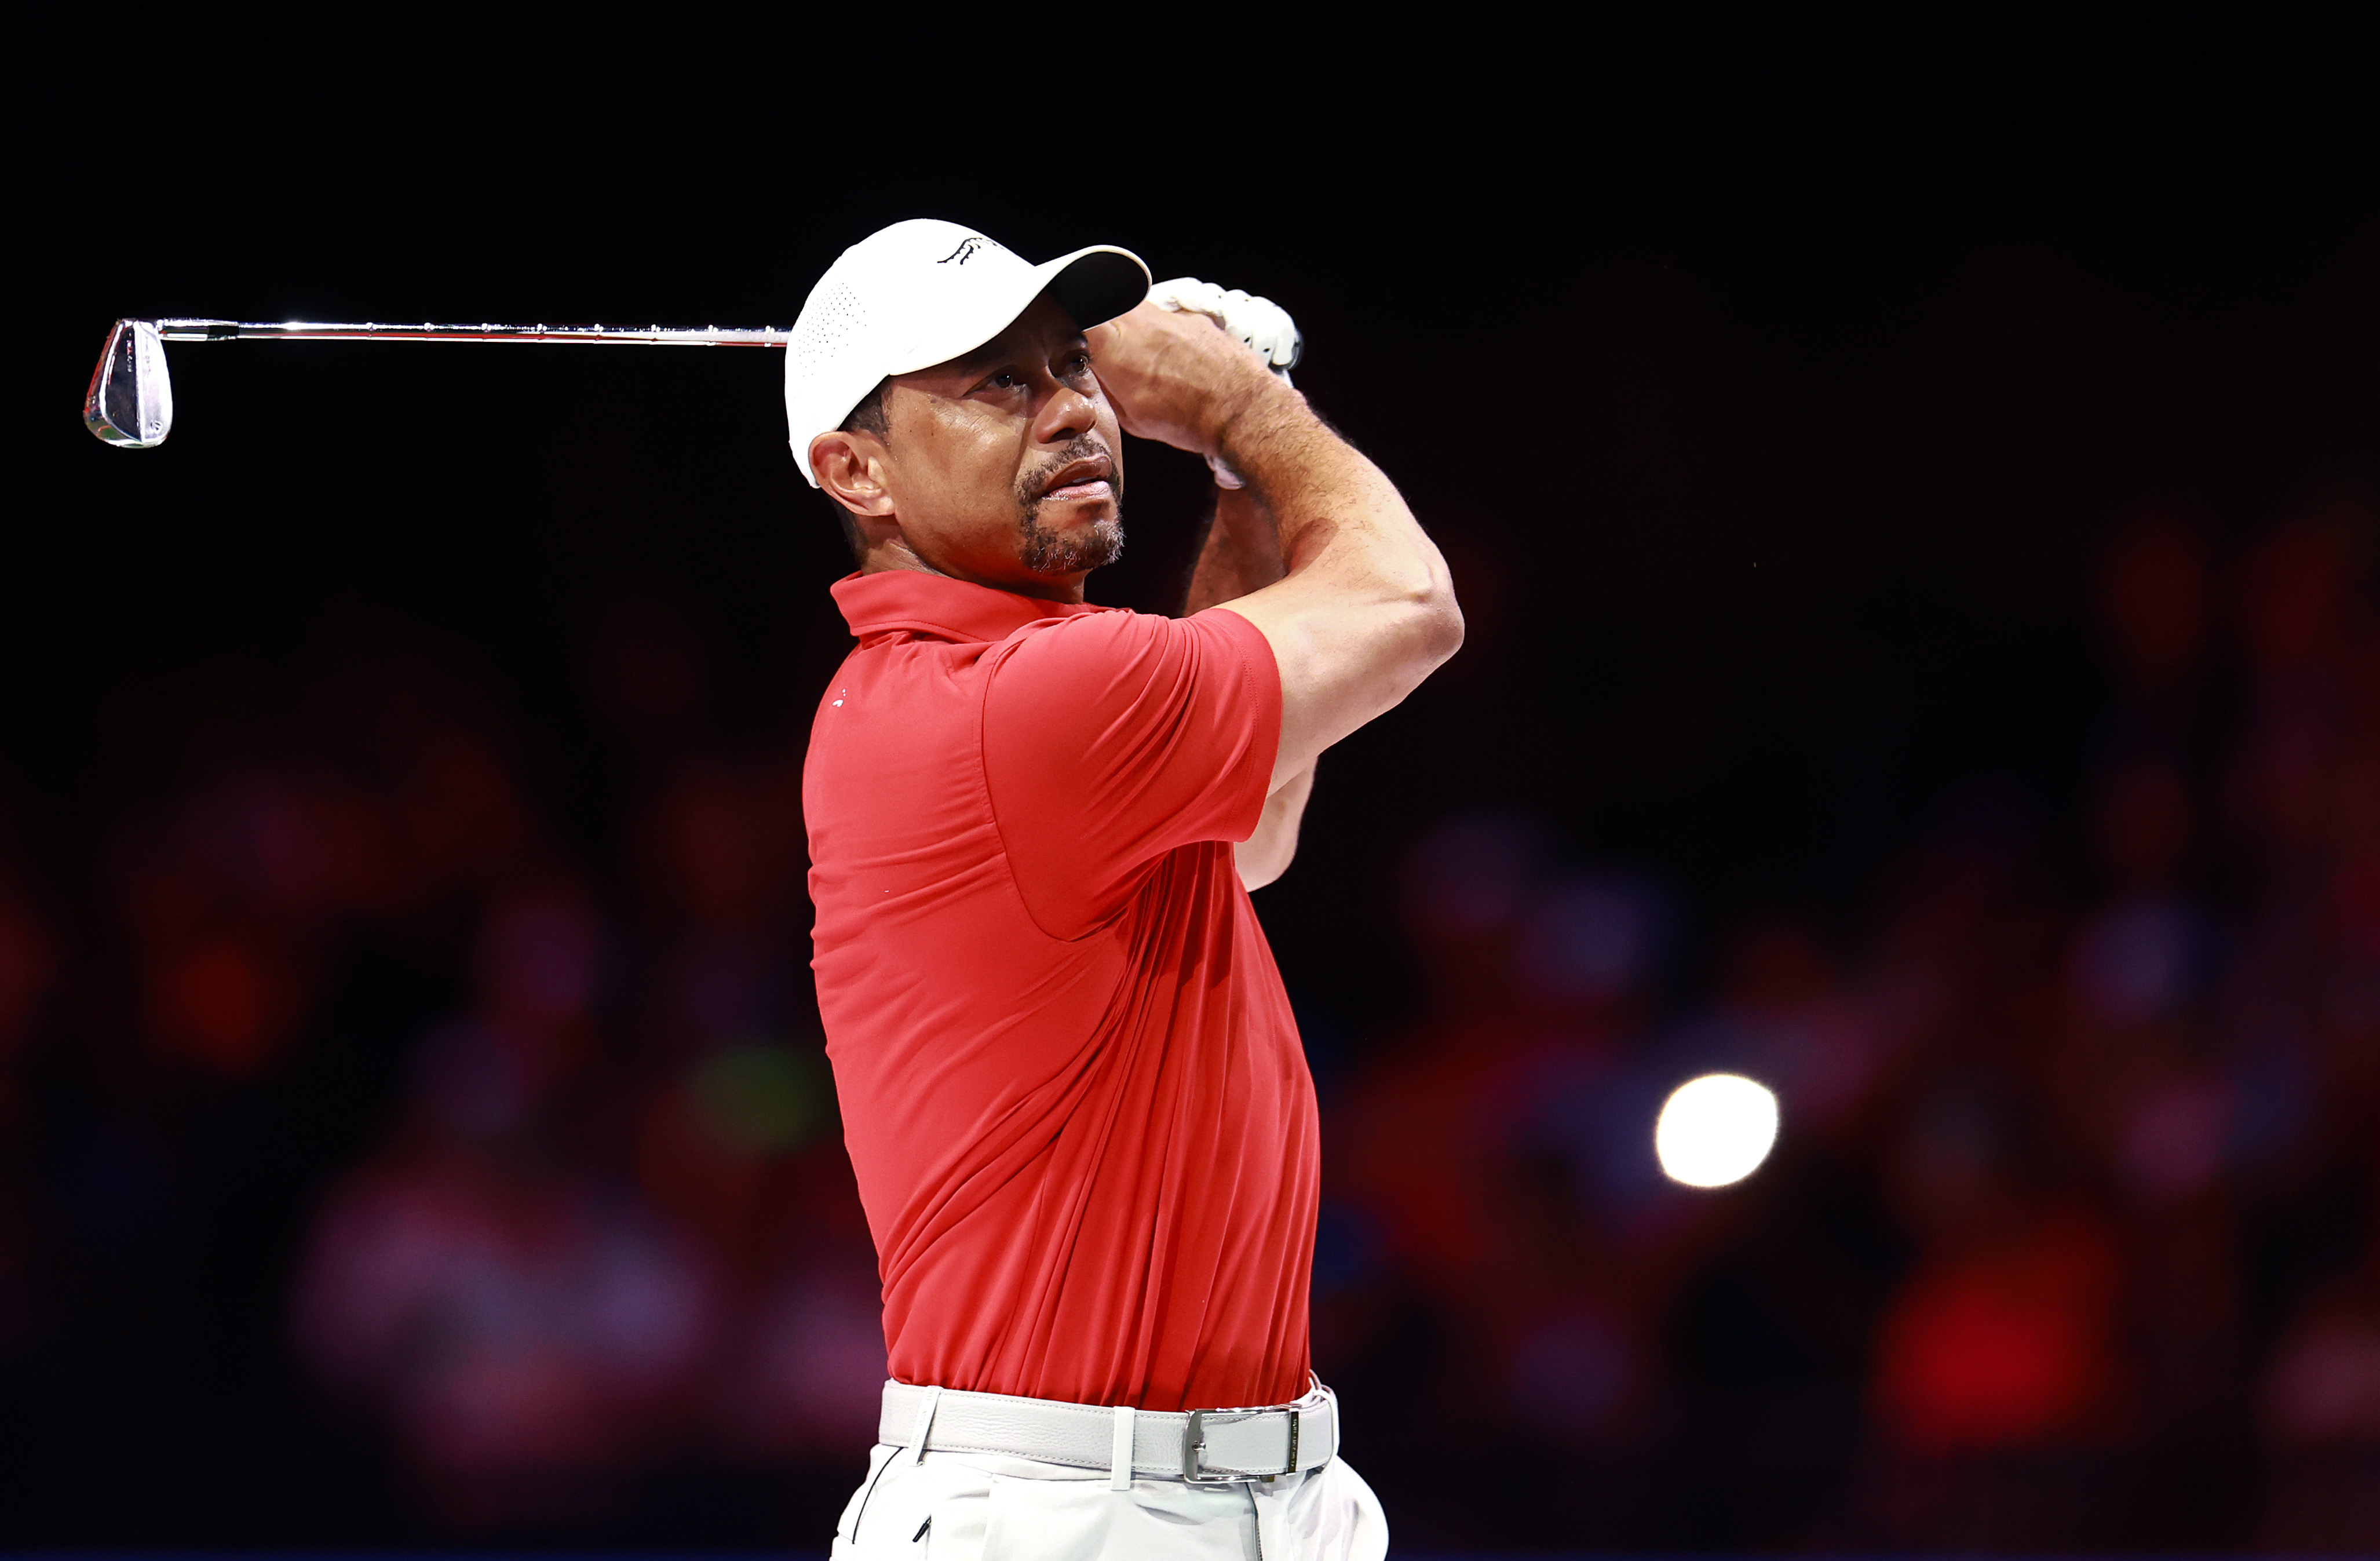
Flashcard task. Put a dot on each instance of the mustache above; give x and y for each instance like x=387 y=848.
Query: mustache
x=1036 y=484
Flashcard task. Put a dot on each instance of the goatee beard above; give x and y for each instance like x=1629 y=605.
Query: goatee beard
x=1095 y=547
x=1046 y=553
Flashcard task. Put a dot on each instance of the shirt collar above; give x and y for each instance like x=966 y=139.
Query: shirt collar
x=941 y=607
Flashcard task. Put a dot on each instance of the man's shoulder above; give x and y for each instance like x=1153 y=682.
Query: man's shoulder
x=1112 y=688
x=1120 y=633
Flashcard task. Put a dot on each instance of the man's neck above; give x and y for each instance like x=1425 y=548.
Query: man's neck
x=896 y=553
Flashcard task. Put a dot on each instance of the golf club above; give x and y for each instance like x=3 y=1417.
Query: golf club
x=130 y=403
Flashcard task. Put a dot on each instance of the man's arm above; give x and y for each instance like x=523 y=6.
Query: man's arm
x=1241 y=555
x=1241 y=552
x=1365 y=609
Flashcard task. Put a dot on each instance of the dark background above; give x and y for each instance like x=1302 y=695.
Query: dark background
x=1807 y=411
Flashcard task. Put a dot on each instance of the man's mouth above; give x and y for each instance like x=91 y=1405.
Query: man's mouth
x=1091 y=479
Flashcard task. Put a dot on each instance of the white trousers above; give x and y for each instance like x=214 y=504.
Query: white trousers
x=989 y=1507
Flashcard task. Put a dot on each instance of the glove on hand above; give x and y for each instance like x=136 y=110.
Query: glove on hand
x=1262 y=325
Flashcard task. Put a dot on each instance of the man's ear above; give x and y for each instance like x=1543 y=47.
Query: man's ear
x=850 y=467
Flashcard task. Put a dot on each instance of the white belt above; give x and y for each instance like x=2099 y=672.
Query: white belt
x=1204 y=1446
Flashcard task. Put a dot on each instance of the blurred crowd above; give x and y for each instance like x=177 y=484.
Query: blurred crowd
x=594 y=1216
x=2069 y=1238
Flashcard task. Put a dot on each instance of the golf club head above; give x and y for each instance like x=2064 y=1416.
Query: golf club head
x=131 y=400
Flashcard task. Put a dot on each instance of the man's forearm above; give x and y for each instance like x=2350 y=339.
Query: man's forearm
x=1241 y=552
x=1330 y=504
x=1367 y=608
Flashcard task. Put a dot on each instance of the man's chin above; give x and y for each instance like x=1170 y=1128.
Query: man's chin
x=1075 y=550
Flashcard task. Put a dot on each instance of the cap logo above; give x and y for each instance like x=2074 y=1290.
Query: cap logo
x=965 y=251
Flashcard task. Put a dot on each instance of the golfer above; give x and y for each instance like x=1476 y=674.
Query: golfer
x=1072 y=1087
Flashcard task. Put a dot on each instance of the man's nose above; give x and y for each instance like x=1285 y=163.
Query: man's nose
x=1066 y=414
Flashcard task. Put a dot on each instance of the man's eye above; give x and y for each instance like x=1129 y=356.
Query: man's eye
x=1004 y=380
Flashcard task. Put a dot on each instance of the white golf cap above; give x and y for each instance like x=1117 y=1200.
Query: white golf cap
x=919 y=293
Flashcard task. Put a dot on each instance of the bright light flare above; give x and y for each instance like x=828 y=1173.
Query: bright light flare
x=1715 y=1130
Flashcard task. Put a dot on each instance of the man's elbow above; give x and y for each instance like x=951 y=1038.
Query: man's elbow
x=1444 y=633
x=1433 y=628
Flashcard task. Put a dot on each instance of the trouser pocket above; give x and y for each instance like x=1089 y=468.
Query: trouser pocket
x=911 y=1511
x=1084 y=1520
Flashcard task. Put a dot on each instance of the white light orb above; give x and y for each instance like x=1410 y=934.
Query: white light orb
x=1715 y=1130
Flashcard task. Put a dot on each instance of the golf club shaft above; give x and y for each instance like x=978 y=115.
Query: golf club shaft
x=307 y=330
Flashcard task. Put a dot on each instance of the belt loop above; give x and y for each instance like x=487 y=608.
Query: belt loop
x=924 y=1424
x=1120 y=1450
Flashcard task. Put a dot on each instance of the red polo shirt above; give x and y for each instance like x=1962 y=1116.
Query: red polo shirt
x=1072 y=1087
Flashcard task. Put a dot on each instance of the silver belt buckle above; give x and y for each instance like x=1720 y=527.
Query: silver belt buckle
x=1193 y=1442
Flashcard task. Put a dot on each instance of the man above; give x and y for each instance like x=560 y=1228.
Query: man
x=1072 y=1087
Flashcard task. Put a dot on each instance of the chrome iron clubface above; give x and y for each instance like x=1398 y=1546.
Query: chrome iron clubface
x=130 y=403
x=131 y=398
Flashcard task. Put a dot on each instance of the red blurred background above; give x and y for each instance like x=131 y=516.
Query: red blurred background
x=1919 y=531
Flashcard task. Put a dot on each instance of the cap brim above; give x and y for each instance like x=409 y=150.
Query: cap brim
x=1096 y=285
x=1092 y=285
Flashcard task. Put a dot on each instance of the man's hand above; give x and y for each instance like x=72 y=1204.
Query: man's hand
x=1176 y=377
x=1262 y=325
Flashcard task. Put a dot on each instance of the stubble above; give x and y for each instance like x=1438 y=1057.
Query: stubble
x=1049 y=552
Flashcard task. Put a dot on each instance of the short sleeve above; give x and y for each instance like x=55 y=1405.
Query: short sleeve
x=1111 y=738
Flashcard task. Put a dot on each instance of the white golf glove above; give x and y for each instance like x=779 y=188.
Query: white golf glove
x=1262 y=325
